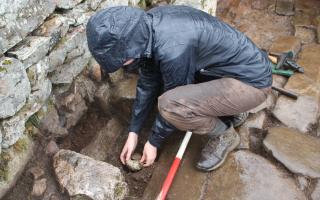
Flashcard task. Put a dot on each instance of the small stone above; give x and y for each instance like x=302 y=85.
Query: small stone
x=116 y=76
x=51 y=125
x=300 y=153
x=134 y=165
x=316 y=192
x=36 y=172
x=285 y=7
x=82 y=175
x=39 y=187
x=52 y=148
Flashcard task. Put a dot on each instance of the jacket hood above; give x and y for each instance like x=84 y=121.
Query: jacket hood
x=117 y=34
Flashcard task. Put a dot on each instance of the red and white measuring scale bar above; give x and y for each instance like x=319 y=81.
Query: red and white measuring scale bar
x=174 y=167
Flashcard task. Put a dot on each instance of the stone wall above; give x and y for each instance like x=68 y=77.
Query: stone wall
x=44 y=65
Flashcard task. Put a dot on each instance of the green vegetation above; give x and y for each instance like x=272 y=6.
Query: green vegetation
x=21 y=145
x=5 y=158
x=7 y=62
x=2 y=69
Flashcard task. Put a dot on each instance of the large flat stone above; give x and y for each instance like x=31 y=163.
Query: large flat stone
x=300 y=153
x=247 y=176
x=302 y=113
x=102 y=143
x=14 y=86
x=20 y=18
x=187 y=176
x=83 y=176
x=32 y=50
x=285 y=44
x=16 y=162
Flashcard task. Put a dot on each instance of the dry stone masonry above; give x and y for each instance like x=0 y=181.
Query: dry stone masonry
x=44 y=82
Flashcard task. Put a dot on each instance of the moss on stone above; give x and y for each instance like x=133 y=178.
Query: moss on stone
x=7 y=62
x=5 y=158
x=21 y=145
x=119 y=190
x=2 y=69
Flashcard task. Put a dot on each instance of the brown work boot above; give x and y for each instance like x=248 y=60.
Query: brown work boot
x=217 y=149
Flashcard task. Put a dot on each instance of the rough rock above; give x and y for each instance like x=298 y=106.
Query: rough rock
x=93 y=4
x=285 y=7
x=69 y=58
x=254 y=122
x=260 y=4
x=51 y=124
x=13 y=128
x=302 y=113
x=14 y=86
x=240 y=14
x=110 y=3
x=316 y=192
x=248 y=176
x=103 y=142
x=103 y=97
x=31 y=50
x=123 y=96
x=16 y=162
x=67 y=4
x=39 y=187
x=55 y=28
x=302 y=182
x=20 y=18
x=36 y=172
x=37 y=74
x=116 y=76
x=285 y=44
x=208 y=6
x=52 y=148
x=95 y=70
x=72 y=104
x=82 y=175
x=300 y=153
x=307 y=35
x=79 y=15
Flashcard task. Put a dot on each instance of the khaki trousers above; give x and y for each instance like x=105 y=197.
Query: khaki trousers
x=196 y=107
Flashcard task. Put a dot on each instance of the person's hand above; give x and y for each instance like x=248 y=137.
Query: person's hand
x=149 y=154
x=129 y=147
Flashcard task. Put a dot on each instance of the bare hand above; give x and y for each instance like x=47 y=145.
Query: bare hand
x=149 y=154
x=129 y=147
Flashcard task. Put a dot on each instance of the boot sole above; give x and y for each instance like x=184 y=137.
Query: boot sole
x=231 y=148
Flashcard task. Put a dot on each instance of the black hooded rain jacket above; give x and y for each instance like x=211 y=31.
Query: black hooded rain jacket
x=175 y=43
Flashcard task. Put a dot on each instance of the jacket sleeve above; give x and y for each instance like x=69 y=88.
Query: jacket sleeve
x=148 y=89
x=177 y=68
